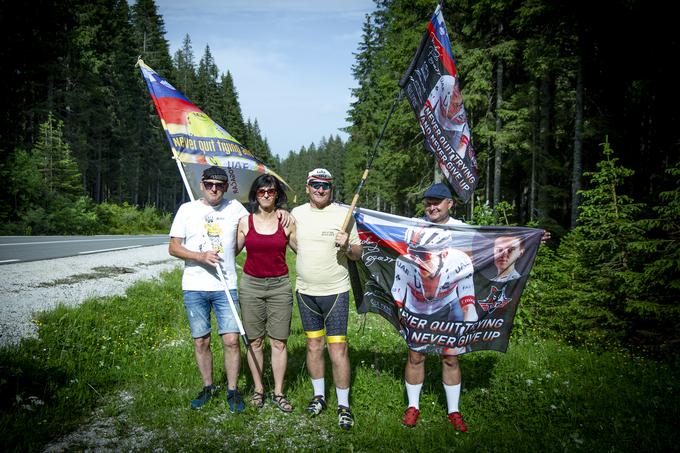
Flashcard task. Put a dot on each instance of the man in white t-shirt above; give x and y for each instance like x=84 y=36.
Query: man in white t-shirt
x=444 y=280
x=203 y=234
x=322 y=288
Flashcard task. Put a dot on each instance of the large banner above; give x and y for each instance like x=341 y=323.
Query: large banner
x=198 y=142
x=433 y=90
x=448 y=289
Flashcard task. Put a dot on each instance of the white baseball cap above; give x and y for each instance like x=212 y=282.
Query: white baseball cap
x=319 y=174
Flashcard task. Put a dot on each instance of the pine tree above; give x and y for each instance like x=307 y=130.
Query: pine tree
x=207 y=87
x=53 y=159
x=185 y=69
x=599 y=264
x=230 y=109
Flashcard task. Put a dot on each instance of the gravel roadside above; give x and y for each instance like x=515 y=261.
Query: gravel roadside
x=31 y=287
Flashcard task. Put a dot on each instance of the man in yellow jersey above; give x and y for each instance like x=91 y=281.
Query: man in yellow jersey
x=322 y=288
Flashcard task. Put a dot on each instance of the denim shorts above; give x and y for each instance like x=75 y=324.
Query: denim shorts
x=198 y=305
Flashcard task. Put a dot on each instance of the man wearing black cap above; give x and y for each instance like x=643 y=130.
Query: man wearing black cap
x=203 y=234
x=438 y=202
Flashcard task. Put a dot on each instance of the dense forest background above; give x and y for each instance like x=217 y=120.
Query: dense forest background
x=573 y=109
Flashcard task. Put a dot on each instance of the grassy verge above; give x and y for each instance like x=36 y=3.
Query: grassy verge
x=127 y=363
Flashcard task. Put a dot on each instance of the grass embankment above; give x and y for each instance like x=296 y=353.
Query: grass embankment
x=127 y=362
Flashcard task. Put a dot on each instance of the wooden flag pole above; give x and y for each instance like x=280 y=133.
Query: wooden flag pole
x=355 y=199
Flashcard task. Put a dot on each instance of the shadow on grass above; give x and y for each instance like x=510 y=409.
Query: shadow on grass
x=40 y=398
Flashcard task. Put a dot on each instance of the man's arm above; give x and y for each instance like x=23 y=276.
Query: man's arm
x=177 y=249
x=285 y=219
x=292 y=236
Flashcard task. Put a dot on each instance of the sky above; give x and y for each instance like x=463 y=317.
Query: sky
x=291 y=60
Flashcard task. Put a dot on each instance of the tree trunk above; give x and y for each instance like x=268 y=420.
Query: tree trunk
x=498 y=148
x=438 y=175
x=578 y=145
x=487 y=186
x=98 y=177
x=546 y=134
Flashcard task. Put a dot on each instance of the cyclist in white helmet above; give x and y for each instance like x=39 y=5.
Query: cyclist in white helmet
x=434 y=276
x=446 y=102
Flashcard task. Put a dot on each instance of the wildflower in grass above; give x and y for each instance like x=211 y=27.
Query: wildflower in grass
x=575 y=437
x=36 y=401
x=530 y=381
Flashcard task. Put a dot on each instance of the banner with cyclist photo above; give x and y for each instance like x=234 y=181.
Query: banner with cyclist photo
x=432 y=86
x=448 y=289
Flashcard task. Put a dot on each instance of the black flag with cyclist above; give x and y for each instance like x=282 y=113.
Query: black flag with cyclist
x=433 y=89
x=448 y=289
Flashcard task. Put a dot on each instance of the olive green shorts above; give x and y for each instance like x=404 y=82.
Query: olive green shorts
x=266 y=306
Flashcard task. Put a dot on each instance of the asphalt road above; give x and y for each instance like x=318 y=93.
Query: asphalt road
x=16 y=249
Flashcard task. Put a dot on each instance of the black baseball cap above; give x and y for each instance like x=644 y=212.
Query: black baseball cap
x=216 y=173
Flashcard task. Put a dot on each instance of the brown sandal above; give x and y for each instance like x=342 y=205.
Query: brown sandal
x=257 y=400
x=282 y=403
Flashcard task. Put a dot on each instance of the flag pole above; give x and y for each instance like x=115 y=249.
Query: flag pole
x=355 y=199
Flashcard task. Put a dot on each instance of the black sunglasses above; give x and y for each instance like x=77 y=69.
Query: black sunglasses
x=320 y=185
x=217 y=185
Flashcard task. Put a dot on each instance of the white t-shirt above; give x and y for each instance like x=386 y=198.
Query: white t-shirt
x=204 y=227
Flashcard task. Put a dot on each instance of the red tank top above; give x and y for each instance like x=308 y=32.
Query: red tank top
x=266 y=252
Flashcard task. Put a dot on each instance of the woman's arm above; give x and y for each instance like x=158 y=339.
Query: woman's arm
x=241 y=233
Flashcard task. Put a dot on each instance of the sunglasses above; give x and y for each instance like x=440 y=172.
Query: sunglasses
x=217 y=185
x=316 y=185
x=423 y=256
x=262 y=192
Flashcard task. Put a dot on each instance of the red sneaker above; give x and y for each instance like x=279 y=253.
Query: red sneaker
x=411 y=416
x=457 y=421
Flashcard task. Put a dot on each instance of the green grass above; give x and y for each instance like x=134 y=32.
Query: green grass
x=127 y=364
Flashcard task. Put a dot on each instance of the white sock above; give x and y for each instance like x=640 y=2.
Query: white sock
x=413 y=393
x=452 y=397
x=343 y=396
x=319 y=387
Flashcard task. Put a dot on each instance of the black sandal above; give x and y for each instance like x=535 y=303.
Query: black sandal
x=282 y=403
x=257 y=400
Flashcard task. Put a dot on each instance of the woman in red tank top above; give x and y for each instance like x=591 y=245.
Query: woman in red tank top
x=264 y=288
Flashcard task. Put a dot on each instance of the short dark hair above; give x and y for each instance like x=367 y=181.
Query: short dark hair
x=266 y=181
